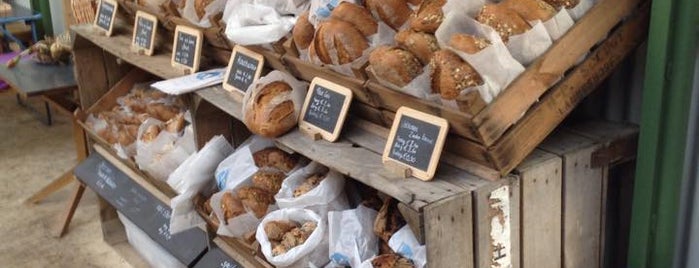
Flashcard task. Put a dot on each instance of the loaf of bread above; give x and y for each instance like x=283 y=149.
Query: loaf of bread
x=341 y=37
x=391 y=261
x=303 y=32
x=421 y=44
x=268 y=180
x=275 y=230
x=150 y=133
x=356 y=15
x=394 y=65
x=504 y=20
x=563 y=3
x=429 y=16
x=451 y=75
x=256 y=200
x=231 y=207
x=200 y=7
x=392 y=12
x=531 y=10
x=468 y=43
x=269 y=111
x=176 y=124
x=309 y=184
x=275 y=158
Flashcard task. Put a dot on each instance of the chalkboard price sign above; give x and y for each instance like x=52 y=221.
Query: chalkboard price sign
x=415 y=143
x=106 y=12
x=143 y=38
x=325 y=109
x=187 y=48
x=141 y=207
x=244 y=67
x=217 y=258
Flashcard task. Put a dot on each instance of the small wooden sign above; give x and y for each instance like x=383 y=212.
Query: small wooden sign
x=415 y=143
x=325 y=109
x=106 y=12
x=244 y=67
x=144 y=30
x=186 y=53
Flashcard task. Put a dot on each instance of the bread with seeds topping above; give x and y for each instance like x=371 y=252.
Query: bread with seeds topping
x=468 y=43
x=422 y=45
x=563 y=3
x=531 y=10
x=504 y=20
x=451 y=75
x=394 y=65
x=429 y=16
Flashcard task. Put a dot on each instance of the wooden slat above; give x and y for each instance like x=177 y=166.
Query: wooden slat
x=490 y=251
x=540 y=210
x=209 y=121
x=448 y=232
x=90 y=73
x=517 y=143
x=514 y=101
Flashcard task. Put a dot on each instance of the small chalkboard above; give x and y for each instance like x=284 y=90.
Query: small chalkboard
x=325 y=109
x=145 y=26
x=106 y=12
x=217 y=258
x=244 y=67
x=186 y=52
x=415 y=143
x=141 y=207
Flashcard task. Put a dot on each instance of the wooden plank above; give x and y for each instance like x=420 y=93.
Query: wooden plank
x=552 y=109
x=209 y=121
x=619 y=141
x=90 y=74
x=64 y=223
x=415 y=220
x=540 y=210
x=493 y=224
x=449 y=233
x=515 y=100
x=582 y=198
x=516 y=220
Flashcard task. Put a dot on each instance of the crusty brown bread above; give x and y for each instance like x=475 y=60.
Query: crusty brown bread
x=275 y=158
x=394 y=13
x=531 y=10
x=563 y=3
x=394 y=65
x=429 y=16
x=356 y=15
x=342 y=37
x=468 y=43
x=504 y=20
x=451 y=75
x=266 y=115
x=421 y=44
x=303 y=32
x=200 y=6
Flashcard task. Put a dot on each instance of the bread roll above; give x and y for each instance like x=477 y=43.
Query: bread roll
x=269 y=111
x=256 y=200
x=394 y=65
x=393 y=12
x=422 y=45
x=343 y=38
x=303 y=32
x=505 y=21
x=231 y=207
x=176 y=124
x=276 y=158
x=309 y=184
x=268 y=180
x=200 y=7
x=429 y=16
x=150 y=133
x=563 y=3
x=468 y=43
x=451 y=75
x=275 y=230
x=531 y=10
x=356 y=15
x=391 y=261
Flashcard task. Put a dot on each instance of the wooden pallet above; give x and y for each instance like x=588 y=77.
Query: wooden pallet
x=502 y=134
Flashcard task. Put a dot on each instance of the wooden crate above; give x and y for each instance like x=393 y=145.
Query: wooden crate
x=502 y=134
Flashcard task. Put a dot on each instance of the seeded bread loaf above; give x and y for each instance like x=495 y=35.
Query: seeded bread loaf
x=429 y=16
x=563 y=3
x=356 y=15
x=394 y=65
x=421 y=44
x=451 y=75
x=504 y=20
x=468 y=43
x=531 y=10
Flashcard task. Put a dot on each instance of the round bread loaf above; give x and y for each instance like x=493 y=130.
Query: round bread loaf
x=343 y=38
x=429 y=16
x=531 y=10
x=303 y=32
x=422 y=45
x=468 y=43
x=200 y=7
x=451 y=75
x=269 y=111
x=356 y=15
x=393 y=12
x=394 y=65
x=504 y=20
x=563 y=3
x=275 y=158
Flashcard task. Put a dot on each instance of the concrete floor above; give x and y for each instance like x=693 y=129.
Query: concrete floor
x=31 y=155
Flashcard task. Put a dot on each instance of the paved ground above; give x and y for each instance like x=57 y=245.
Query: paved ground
x=31 y=155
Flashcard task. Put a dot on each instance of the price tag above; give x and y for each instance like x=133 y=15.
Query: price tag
x=186 y=52
x=325 y=109
x=144 y=30
x=415 y=143
x=244 y=67
x=106 y=12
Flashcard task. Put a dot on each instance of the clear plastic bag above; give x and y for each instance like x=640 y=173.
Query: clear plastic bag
x=351 y=236
x=312 y=253
x=327 y=196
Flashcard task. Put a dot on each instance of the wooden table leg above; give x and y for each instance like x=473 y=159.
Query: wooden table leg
x=70 y=210
x=52 y=187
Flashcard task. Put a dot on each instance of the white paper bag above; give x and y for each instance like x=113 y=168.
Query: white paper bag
x=351 y=236
x=329 y=195
x=312 y=253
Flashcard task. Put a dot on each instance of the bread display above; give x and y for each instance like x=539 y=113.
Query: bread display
x=356 y=15
x=303 y=32
x=451 y=75
x=468 y=43
x=429 y=16
x=394 y=65
x=309 y=184
x=338 y=42
x=505 y=21
x=391 y=261
x=531 y=10
x=269 y=180
x=270 y=112
x=394 y=13
x=563 y=3
x=420 y=44
x=275 y=158
x=285 y=235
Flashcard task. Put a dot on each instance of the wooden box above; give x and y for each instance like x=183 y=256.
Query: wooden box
x=502 y=134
